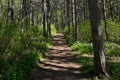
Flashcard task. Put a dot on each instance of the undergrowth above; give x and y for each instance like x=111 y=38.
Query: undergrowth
x=20 y=51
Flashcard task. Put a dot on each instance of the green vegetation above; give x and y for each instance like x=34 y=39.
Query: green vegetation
x=84 y=46
x=111 y=49
x=20 y=51
x=115 y=69
x=86 y=65
x=88 y=68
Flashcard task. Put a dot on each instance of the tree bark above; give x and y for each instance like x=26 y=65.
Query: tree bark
x=105 y=19
x=31 y=13
x=68 y=15
x=10 y=16
x=48 y=18
x=75 y=20
x=44 y=18
x=100 y=64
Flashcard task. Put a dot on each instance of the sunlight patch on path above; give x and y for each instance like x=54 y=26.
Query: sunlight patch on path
x=59 y=63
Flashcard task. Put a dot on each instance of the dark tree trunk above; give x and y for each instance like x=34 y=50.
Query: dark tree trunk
x=68 y=15
x=10 y=16
x=100 y=64
x=44 y=18
x=111 y=8
x=23 y=13
x=48 y=18
x=105 y=19
x=73 y=29
x=32 y=13
x=75 y=20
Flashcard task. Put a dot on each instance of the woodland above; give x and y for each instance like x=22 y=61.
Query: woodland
x=84 y=33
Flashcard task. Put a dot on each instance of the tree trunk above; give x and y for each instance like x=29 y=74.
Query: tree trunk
x=48 y=18
x=10 y=16
x=44 y=18
x=75 y=20
x=100 y=64
x=31 y=13
x=105 y=19
x=73 y=29
x=23 y=12
x=68 y=15
x=111 y=8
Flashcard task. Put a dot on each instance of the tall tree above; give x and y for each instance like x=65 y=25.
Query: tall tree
x=75 y=20
x=31 y=13
x=100 y=64
x=48 y=18
x=68 y=14
x=44 y=18
x=23 y=12
x=10 y=16
x=111 y=8
x=105 y=18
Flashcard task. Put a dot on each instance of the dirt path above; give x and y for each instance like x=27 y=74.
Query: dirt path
x=59 y=63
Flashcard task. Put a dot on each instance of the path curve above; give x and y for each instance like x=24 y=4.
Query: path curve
x=59 y=63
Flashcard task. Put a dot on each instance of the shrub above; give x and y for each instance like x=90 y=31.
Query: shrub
x=111 y=49
x=115 y=69
x=20 y=52
x=82 y=48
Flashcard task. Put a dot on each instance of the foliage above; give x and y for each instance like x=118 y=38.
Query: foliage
x=69 y=38
x=82 y=48
x=113 y=27
x=111 y=49
x=84 y=31
x=86 y=65
x=115 y=69
x=53 y=29
x=20 y=51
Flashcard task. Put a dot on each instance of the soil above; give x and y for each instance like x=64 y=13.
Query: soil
x=59 y=63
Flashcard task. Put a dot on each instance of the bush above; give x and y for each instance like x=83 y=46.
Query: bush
x=114 y=33
x=111 y=49
x=115 y=69
x=84 y=31
x=82 y=48
x=69 y=38
x=20 y=52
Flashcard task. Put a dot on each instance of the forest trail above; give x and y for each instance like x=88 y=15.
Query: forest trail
x=59 y=63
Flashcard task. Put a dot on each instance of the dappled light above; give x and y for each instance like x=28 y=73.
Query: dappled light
x=59 y=39
x=59 y=63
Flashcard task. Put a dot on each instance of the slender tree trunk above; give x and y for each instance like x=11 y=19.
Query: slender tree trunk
x=23 y=12
x=10 y=16
x=48 y=18
x=100 y=64
x=105 y=18
x=111 y=8
x=31 y=13
x=72 y=17
x=44 y=18
x=75 y=20
x=68 y=15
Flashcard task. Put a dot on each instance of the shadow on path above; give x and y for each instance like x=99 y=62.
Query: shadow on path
x=59 y=63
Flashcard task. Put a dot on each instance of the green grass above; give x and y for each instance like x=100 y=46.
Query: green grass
x=111 y=49
x=88 y=68
x=115 y=69
x=82 y=48
x=53 y=29
x=86 y=65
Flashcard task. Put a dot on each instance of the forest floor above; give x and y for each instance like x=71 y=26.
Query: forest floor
x=59 y=63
